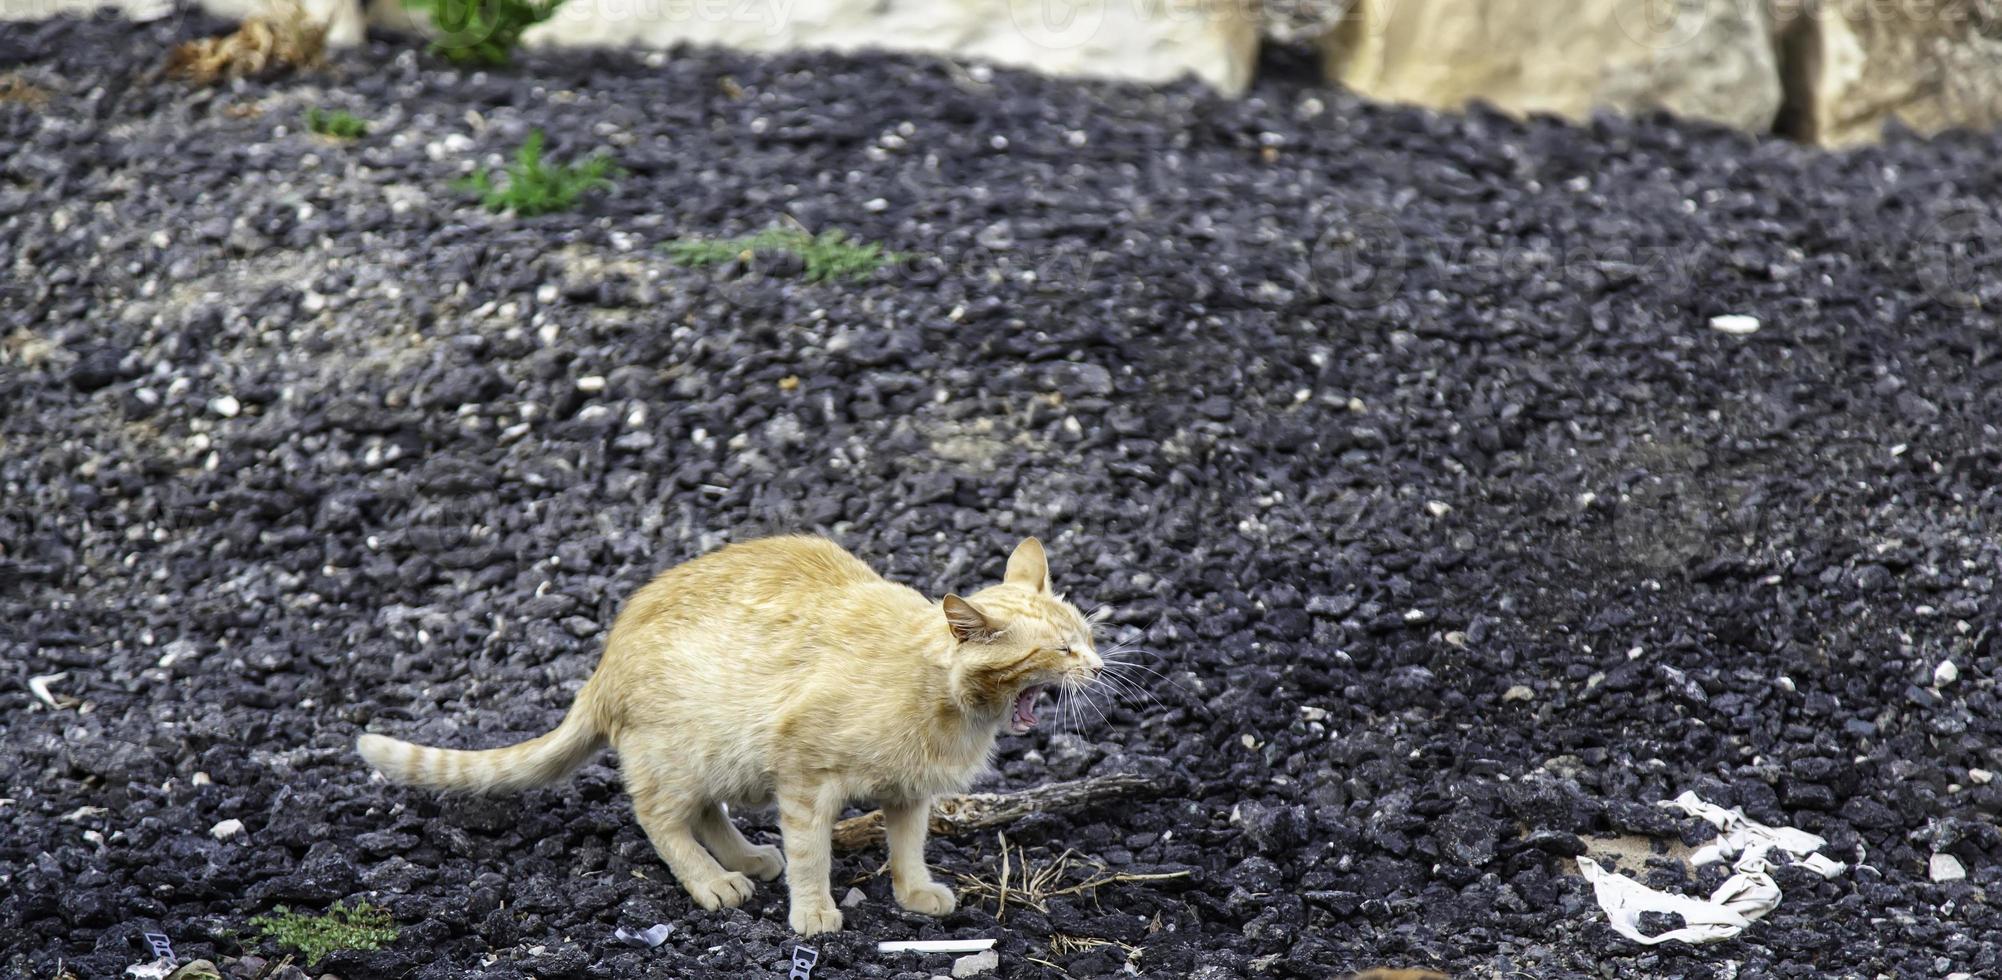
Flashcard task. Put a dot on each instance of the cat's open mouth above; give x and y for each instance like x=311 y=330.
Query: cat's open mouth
x=1024 y=717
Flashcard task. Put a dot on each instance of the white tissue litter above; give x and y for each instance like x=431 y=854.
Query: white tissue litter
x=646 y=938
x=1743 y=839
x=1723 y=915
x=1748 y=894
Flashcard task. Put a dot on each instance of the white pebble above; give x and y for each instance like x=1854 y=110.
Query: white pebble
x=1980 y=777
x=1519 y=692
x=591 y=384
x=225 y=406
x=1438 y=508
x=1735 y=323
x=852 y=899
x=226 y=829
x=1946 y=867
x=1944 y=674
x=978 y=963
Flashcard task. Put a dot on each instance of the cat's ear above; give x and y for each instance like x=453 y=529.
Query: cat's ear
x=1029 y=566
x=967 y=622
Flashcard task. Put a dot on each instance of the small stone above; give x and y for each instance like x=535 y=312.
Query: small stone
x=196 y=970
x=852 y=899
x=226 y=829
x=591 y=384
x=1735 y=323
x=976 y=964
x=1438 y=508
x=1519 y=692
x=1980 y=777
x=226 y=406
x=1944 y=674
x=1946 y=867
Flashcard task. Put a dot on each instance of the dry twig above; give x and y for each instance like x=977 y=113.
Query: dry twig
x=955 y=815
x=279 y=40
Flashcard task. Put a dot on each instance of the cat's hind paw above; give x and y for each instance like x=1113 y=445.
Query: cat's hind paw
x=930 y=898
x=725 y=891
x=811 y=920
x=761 y=861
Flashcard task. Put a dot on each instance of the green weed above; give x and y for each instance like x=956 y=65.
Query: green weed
x=482 y=32
x=826 y=256
x=337 y=124
x=363 y=927
x=534 y=187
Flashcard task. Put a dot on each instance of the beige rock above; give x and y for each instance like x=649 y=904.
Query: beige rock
x=1701 y=59
x=1140 y=40
x=1853 y=66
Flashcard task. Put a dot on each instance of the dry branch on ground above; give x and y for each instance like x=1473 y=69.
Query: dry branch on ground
x=955 y=815
x=280 y=40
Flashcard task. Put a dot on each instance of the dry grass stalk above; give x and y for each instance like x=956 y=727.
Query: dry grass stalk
x=18 y=90
x=282 y=39
x=1034 y=886
x=1062 y=946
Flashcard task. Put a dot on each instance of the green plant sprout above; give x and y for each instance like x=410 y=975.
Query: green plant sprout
x=532 y=187
x=336 y=124
x=364 y=927
x=827 y=256
x=481 y=32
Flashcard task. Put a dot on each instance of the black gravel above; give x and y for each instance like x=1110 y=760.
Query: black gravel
x=1399 y=441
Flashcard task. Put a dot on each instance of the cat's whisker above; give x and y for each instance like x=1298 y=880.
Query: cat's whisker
x=1093 y=705
x=1122 y=687
x=1113 y=667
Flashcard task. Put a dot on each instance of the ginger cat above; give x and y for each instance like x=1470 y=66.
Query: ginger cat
x=787 y=669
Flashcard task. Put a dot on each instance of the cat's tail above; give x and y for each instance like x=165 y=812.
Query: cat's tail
x=536 y=762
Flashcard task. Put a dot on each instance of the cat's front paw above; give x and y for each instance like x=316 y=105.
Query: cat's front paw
x=929 y=898
x=725 y=891
x=816 y=918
